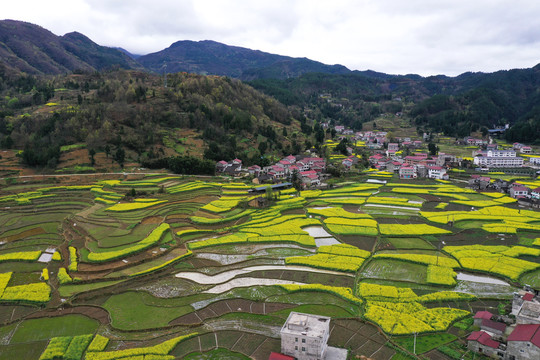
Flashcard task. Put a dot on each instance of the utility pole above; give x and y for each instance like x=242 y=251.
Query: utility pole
x=441 y=243
x=414 y=346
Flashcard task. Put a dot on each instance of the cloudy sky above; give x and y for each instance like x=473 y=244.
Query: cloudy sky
x=425 y=37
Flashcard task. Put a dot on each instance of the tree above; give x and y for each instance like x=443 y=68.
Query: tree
x=342 y=147
x=433 y=149
x=91 y=153
x=120 y=156
x=269 y=193
x=296 y=181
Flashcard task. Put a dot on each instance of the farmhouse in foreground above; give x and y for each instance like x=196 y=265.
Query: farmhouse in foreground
x=305 y=337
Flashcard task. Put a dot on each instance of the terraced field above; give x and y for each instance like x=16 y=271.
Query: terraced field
x=165 y=267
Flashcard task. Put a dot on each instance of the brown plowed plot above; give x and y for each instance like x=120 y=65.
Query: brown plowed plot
x=24 y=234
x=429 y=197
x=304 y=277
x=362 y=242
x=435 y=355
x=152 y=220
x=222 y=307
x=267 y=346
x=248 y=343
x=91 y=311
x=12 y=313
x=361 y=338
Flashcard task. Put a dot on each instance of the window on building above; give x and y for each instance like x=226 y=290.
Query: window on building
x=303 y=348
x=304 y=341
x=296 y=348
x=296 y=339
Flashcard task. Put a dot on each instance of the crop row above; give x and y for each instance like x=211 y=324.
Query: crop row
x=34 y=293
x=134 y=206
x=163 y=265
x=342 y=292
x=441 y=275
x=343 y=249
x=351 y=226
x=63 y=276
x=421 y=259
x=152 y=239
x=500 y=260
x=191 y=186
x=328 y=261
x=20 y=256
x=72 y=259
x=160 y=349
x=410 y=229
x=337 y=212
x=397 y=320
x=210 y=221
x=385 y=291
x=392 y=201
x=243 y=237
x=66 y=347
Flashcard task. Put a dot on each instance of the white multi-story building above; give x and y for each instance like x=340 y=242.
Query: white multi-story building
x=305 y=336
x=498 y=158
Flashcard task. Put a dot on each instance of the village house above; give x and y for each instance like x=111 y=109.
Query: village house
x=535 y=193
x=534 y=160
x=524 y=343
x=497 y=158
x=437 y=172
x=517 y=146
x=474 y=142
x=480 y=316
x=254 y=170
x=305 y=336
x=479 y=182
x=481 y=342
x=525 y=150
x=233 y=167
x=407 y=172
x=519 y=192
x=393 y=166
x=526 y=306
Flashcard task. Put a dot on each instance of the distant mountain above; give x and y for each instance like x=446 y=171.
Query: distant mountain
x=32 y=49
x=214 y=58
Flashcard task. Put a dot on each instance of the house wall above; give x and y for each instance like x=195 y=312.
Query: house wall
x=315 y=348
x=522 y=350
x=485 y=350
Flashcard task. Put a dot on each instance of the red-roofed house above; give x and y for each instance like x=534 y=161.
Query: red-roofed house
x=494 y=327
x=254 y=170
x=407 y=172
x=278 y=356
x=525 y=150
x=519 y=192
x=481 y=342
x=414 y=160
x=528 y=296
x=524 y=342
x=535 y=193
x=481 y=315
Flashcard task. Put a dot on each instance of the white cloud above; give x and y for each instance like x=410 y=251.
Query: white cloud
x=393 y=36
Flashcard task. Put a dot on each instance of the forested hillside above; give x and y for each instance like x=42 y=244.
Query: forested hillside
x=132 y=116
